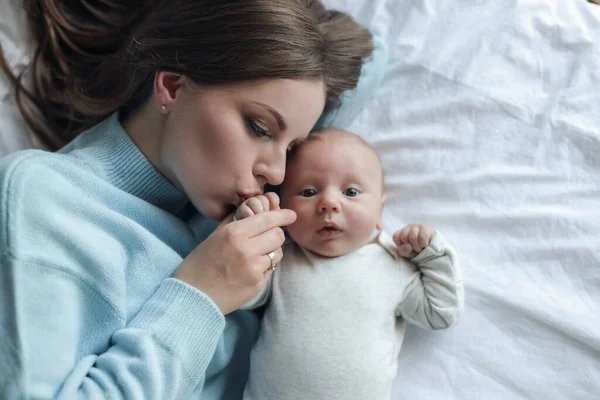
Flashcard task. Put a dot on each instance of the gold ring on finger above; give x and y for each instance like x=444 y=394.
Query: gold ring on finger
x=272 y=267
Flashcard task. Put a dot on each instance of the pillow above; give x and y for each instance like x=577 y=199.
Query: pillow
x=353 y=101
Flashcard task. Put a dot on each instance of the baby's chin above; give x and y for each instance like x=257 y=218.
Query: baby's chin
x=330 y=249
x=331 y=254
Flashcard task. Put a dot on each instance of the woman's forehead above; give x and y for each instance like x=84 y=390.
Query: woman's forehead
x=280 y=92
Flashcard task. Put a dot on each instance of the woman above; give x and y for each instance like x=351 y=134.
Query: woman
x=191 y=105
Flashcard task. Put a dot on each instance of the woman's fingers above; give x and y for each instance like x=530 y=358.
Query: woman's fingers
x=277 y=256
x=268 y=241
x=261 y=223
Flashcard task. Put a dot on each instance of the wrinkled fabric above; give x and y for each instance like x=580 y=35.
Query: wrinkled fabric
x=488 y=124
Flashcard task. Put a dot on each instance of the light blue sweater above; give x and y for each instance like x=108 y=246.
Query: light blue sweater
x=89 y=240
x=86 y=298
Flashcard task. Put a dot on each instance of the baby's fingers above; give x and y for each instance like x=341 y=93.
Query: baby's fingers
x=244 y=211
x=413 y=238
x=273 y=200
x=426 y=234
x=258 y=204
x=265 y=204
x=406 y=251
x=401 y=236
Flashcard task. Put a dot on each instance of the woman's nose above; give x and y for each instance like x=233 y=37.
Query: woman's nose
x=274 y=169
x=275 y=176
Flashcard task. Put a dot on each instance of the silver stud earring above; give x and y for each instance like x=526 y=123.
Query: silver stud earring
x=163 y=109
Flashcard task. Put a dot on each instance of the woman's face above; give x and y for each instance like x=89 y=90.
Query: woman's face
x=221 y=145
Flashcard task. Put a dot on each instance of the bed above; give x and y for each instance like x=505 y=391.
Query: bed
x=488 y=125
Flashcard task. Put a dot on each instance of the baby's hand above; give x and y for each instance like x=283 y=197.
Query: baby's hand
x=413 y=238
x=256 y=205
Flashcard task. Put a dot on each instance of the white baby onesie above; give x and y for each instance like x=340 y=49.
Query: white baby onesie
x=332 y=327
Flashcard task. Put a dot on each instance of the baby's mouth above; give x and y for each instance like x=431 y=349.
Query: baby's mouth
x=329 y=230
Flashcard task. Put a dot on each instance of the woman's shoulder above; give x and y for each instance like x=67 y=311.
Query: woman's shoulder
x=35 y=174
x=43 y=196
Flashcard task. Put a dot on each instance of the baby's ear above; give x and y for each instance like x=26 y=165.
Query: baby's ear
x=379 y=224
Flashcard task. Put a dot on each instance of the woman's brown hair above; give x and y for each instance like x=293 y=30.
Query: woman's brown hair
x=97 y=56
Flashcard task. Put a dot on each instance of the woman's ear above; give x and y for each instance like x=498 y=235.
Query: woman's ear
x=379 y=224
x=166 y=88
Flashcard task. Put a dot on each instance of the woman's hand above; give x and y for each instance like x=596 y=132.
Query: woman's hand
x=232 y=264
x=413 y=238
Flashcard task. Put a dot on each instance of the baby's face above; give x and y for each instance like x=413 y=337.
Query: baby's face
x=334 y=184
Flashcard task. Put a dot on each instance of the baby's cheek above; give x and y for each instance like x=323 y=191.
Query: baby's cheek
x=296 y=231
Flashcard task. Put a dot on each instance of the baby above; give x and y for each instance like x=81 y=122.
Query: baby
x=339 y=298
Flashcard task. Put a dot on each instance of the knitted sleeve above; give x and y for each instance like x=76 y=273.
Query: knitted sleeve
x=51 y=346
x=62 y=336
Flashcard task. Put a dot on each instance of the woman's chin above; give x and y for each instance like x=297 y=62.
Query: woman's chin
x=215 y=211
x=219 y=214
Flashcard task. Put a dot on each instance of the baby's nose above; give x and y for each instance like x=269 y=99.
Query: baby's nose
x=329 y=203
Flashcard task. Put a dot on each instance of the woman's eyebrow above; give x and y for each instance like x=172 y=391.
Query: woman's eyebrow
x=278 y=117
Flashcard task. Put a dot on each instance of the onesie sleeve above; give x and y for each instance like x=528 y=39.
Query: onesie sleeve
x=434 y=295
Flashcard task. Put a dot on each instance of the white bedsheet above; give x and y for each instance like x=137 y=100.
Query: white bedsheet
x=489 y=128
x=488 y=124
x=16 y=46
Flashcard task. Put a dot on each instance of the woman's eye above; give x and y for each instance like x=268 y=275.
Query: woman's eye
x=351 y=192
x=308 y=193
x=258 y=128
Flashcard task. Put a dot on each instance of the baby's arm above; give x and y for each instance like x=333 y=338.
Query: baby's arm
x=252 y=206
x=434 y=295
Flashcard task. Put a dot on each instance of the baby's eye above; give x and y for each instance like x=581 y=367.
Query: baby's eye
x=308 y=193
x=351 y=192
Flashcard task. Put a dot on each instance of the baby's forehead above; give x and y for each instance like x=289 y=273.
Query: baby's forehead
x=325 y=144
x=333 y=138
